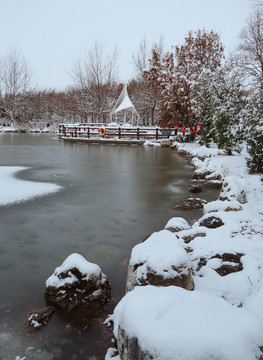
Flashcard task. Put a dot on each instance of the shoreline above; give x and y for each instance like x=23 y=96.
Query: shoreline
x=226 y=269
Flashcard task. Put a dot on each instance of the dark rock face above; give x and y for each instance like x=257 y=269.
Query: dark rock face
x=194 y=189
x=182 y=278
x=37 y=319
x=212 y=184
x=83 y=292
x=200 y=176
x=129 y=348
x=191 y=204
x=189 y=238
x=233 y=208
x=212 y=222
x=230 y=263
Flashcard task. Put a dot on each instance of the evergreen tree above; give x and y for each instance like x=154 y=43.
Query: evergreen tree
x=254 y=125
x=205 y=111
x=220 y=107
x=228 y=123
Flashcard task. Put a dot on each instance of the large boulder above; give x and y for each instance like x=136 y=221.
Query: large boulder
x=174 y=324
x=77 y=283
x=160 y=260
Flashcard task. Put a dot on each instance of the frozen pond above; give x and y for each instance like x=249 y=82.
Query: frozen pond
x=112 y=197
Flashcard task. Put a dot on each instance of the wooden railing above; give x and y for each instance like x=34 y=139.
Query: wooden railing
x=86 y=131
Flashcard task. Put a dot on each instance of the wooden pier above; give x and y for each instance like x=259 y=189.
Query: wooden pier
x=112 y=135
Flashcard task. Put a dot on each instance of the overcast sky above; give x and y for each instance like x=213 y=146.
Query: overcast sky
x=50 y=34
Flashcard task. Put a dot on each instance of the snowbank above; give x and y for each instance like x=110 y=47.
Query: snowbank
x=173 y=323
x=16 y=190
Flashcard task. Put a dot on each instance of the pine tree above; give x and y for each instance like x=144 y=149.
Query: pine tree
x=207 y=103
x=254 y=125
x=228 y=123
x=220 y=107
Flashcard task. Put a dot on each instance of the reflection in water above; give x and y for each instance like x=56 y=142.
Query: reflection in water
x=112 y=197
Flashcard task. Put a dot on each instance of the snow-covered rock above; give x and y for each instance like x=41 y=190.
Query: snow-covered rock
x=211 y=222
x=174 y=324
x=176 y=224
x=77 y=283
x=190 y=204
x=159 y=260
x=37 y=319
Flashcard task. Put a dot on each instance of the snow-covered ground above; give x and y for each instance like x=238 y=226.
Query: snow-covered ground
x=223 y=317
x=15 y=190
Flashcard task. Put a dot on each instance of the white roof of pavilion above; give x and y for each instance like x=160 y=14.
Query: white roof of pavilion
x=123 y=102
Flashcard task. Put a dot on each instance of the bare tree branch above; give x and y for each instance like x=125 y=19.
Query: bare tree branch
x=15 y=81
x=250 y=50
x=95 y=76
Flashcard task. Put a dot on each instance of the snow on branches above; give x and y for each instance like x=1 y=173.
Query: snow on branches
x=176 y=76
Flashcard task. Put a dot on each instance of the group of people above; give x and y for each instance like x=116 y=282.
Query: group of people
x=184 y=133
x=185 y=129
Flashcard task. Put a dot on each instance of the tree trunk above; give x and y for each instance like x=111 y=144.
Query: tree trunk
x=153 y=113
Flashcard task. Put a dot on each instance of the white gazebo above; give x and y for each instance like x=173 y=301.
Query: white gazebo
x=124 y=104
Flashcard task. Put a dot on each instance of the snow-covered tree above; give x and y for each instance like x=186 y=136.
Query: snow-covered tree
x=228 y=121
x=221 y=100
x=144 y=94
x=254 y=125
x=207 y=98
x=152 y=78
x=202 y=52
x=176 y=76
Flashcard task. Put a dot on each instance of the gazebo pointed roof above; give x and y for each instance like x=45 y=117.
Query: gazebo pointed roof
x=123 y=102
